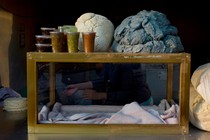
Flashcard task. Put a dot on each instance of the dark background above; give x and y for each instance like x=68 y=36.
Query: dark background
x=190 y=17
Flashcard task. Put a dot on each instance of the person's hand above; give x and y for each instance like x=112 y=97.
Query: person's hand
x=90 y=94
x=71 y=89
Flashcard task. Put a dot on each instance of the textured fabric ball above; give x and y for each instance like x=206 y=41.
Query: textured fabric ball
x=201 y=81
x=103 y=27
x=147 y=32
x=199 y=111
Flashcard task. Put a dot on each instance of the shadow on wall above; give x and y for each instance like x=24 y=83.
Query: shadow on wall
x=16 y=39
x=6 y=21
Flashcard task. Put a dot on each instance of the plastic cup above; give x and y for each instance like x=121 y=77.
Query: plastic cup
x=43 y=47
x=88 y=41
x=47 y=30
x=72 y=41
x=43 y=39
x=57 y=41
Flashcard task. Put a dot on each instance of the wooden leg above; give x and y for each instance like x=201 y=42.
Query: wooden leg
x=170 y=83
x=52 y=83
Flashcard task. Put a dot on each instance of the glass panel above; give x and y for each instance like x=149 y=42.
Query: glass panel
x=109 y=84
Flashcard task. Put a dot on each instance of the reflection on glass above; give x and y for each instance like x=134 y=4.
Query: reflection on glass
x=122 y=82
x=115 y=84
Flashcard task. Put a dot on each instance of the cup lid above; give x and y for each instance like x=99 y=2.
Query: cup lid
x=43 y=45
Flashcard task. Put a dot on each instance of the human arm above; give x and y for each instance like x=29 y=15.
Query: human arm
x=71 y=89
x=94 y=95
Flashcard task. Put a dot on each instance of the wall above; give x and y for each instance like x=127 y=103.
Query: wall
x=15 y=40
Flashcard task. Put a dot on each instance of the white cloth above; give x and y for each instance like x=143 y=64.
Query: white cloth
x=131 y=113
x=43 y=114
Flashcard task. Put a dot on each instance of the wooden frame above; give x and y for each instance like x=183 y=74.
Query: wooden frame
x=184 y=59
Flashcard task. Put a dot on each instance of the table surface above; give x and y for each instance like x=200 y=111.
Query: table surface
x=14 y=126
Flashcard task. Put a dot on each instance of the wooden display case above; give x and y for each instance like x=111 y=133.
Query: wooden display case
x=183 y=60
